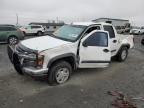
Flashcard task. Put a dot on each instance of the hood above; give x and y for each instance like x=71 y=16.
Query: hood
x=43 y=43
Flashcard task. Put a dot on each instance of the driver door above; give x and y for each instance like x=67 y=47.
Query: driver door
x=95 y=50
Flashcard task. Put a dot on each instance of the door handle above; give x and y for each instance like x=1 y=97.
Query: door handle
x=114 y=41
x=106 y=50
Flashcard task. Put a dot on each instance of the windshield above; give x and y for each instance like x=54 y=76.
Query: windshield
x=69 y=32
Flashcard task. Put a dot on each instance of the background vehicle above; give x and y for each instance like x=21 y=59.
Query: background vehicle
x=137 y=31
x=10 y=34
x=78 y=45
x=33 y=29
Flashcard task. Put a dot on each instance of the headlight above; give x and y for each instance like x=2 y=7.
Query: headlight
x=40 y=60
x=28 y=56
x=32 y=56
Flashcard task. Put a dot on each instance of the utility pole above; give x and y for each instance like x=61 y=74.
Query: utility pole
x=17 y=21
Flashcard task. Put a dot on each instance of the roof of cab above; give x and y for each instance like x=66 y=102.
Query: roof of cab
x=89 y=23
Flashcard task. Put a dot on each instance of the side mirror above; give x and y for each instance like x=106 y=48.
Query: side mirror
x=85 y=44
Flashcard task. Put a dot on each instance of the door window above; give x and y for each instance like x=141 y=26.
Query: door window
x=98 y=39
x=92 y=29
x=110 y=30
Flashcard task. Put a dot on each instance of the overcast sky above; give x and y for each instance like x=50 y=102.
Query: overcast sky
x=70 y=10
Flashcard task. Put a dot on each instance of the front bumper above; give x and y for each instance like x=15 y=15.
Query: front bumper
x=16 y=60
x=34 y=71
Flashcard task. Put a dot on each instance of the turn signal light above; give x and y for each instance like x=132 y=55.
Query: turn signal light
x=40 y=60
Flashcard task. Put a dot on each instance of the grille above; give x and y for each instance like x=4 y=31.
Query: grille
x=20 y=49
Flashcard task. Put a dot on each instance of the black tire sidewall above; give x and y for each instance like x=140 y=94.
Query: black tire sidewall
x=18 y=69
x=53 y=71
x=120 y=54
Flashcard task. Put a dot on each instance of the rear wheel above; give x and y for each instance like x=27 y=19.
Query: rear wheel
x=12 y=40
x=59 y=73
x=122 y=55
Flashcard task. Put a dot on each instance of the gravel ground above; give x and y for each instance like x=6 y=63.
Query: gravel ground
x=87 y=88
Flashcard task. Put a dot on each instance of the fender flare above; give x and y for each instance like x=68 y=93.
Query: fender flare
x=61 y=57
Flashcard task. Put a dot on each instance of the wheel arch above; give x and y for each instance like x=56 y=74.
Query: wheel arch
x=70 y=58
x=124 y=45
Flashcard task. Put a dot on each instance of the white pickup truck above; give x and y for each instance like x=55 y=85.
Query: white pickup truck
x=73 y=46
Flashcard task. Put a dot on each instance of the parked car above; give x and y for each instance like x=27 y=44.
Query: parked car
x=33 y=29
x=137 y=31
x=142 y=41
x=73 y=46
x=10 y=34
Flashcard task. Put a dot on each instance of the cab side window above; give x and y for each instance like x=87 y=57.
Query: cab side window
x=98 y=39
x=110 y=30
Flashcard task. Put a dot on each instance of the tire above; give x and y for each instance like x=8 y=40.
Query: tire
x=55 y=75
x=39 y=33
x=18 y=69
x=122 y=55
x=13 y=40
x=17 y=66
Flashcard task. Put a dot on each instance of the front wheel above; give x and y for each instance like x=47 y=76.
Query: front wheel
x=59 y=73
x=122 y=55
x=13 y=40
x=17 y=66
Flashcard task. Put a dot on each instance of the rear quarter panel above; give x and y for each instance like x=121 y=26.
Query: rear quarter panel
x=126 y=39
